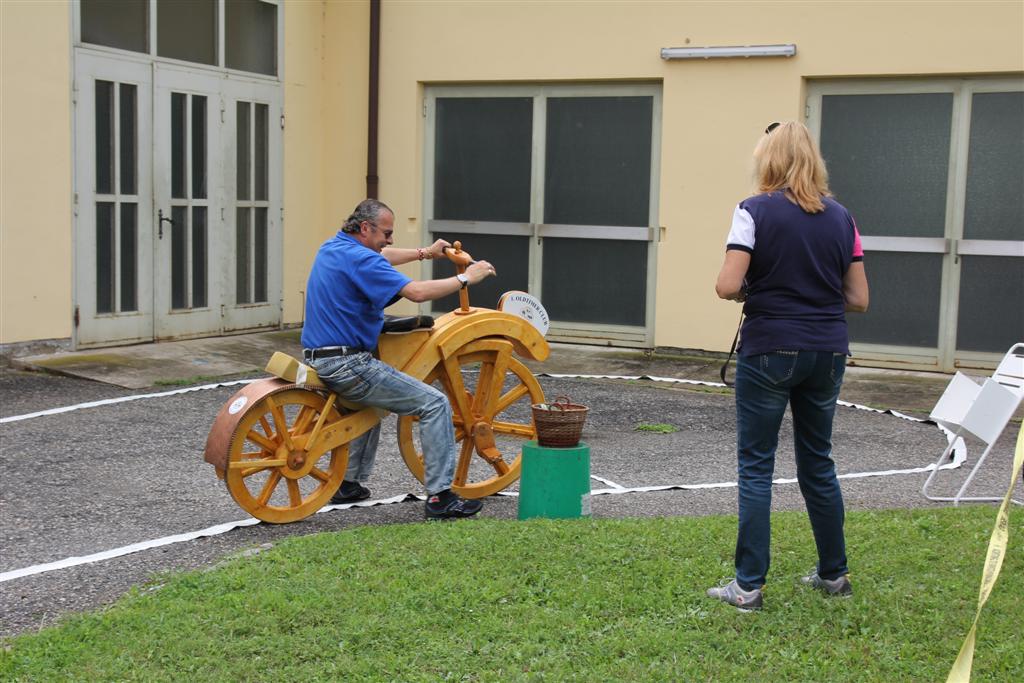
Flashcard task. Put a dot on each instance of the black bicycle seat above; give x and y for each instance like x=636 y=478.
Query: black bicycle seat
x=395 y=323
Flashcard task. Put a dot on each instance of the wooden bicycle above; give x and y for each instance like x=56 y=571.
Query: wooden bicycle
x=281 y=443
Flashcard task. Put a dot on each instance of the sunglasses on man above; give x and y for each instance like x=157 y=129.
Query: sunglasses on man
x=375 y=228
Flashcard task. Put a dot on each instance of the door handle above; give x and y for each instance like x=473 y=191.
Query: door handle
x=160 y=223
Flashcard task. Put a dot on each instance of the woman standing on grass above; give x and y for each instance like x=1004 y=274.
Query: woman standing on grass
x=794 y=258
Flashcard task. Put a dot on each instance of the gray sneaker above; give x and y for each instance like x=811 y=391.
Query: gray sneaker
x=730 y=592
x=840 y=586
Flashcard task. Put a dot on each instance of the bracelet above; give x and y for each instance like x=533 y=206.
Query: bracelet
x=423 y=254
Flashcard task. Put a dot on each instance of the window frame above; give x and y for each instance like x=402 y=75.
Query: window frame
x=945 y=357
x=220 y=32
x=536 y=229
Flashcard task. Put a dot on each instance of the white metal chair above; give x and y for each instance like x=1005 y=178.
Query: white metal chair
x=981 y=411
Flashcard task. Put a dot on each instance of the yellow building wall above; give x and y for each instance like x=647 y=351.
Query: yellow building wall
x=713 y=110
x=303 y=153
x=35 y=171
x=325 y=98
x=712 y=113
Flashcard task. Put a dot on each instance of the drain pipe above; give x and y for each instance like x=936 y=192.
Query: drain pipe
x=371 y=134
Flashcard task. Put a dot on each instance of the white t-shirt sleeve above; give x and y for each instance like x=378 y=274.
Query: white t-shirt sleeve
x=741 y=234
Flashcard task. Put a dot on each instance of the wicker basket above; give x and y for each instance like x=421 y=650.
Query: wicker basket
x=559 y=424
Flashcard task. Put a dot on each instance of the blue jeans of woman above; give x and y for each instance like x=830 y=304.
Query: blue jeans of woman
x=363 y=379
x=809 y=382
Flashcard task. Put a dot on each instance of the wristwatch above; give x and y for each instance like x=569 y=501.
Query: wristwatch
x=463 y=280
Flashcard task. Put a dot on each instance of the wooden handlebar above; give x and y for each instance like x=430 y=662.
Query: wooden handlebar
x=460 y=258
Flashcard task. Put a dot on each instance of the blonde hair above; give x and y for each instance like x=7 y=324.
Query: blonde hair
x=788 y=159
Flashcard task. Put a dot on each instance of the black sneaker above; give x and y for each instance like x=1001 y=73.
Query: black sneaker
x=447 y=505
x=350 y=492
x=840 y=586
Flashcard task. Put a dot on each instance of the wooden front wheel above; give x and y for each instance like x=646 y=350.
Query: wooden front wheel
x=491 y=392
x=270 y=474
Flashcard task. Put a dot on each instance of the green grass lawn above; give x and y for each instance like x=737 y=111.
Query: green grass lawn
x=606 y=600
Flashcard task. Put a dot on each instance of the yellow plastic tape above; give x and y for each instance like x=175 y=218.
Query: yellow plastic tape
x=961 y=671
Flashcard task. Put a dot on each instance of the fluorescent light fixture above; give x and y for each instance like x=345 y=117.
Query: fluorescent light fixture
x=739 y=51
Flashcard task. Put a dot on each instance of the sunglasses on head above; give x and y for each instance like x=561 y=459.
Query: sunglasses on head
x=771 y=127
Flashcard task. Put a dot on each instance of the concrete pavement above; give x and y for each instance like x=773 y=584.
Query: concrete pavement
x=123 y=465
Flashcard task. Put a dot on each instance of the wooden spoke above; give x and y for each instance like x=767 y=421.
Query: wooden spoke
x=248 y=472
x=268 y=488
x=256 y=465
x=327 y=409
x=280 y=423
x=452 y=380
x=250 y=456
x=509 y=398
x=496 y=380
x=302 y=420
x=513 y=428
x=294 y=494
x=462 y=466
x=483 y=384
x=318 y=473
x=261 y=441
x=266 y=426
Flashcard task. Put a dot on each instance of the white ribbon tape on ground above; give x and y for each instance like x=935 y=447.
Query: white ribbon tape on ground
x=959 y=455
x=605 y=481
x=179 y=538
x=120 y=399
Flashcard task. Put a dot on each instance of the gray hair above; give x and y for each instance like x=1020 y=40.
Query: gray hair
x=371 y=210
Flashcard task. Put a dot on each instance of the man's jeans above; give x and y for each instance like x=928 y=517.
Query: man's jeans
x=809 y=382
x=361 y=378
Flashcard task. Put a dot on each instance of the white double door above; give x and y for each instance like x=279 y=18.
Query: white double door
x=177 y=201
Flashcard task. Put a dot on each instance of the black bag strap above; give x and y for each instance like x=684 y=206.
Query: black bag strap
x=732 y=350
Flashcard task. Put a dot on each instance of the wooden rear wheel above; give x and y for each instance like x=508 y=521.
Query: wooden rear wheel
x=270 y=474
x=491 y=392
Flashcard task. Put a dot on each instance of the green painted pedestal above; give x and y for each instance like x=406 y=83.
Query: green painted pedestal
x=555 y=482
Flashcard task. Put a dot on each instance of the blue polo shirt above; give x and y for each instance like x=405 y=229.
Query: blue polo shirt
x=348 y=288
x=795 y=280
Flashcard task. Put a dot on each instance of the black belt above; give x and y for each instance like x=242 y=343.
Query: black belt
x=311 y=355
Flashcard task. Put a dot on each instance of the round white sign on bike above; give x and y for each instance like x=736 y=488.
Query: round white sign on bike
x=527 y=307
